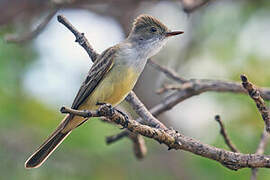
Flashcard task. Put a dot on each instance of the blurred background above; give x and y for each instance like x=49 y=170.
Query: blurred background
x=223 y=39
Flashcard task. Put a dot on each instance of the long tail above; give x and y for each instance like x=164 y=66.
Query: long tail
x=45 y=150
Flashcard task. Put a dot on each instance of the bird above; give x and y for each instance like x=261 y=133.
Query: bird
x=110 y=79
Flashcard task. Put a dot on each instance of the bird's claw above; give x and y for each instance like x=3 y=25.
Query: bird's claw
x=112 y=110
x=125 y=117
x=109 y=106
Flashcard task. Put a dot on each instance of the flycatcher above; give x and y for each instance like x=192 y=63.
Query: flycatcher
x=110 y=79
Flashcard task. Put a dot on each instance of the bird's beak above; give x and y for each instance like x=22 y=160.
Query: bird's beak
x=173 y=33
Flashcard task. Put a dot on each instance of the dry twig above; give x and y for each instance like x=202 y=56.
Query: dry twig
x=141 y=110
x=195 y=87
x=114 y=138
x=169 y=73
x=260 y=150
x=80 y=38
x=225 y=135
x=190 y=6
x=254 y=93
x=12 y=38
x=139 y=146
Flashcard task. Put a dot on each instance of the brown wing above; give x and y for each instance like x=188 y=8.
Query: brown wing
x=97 y=72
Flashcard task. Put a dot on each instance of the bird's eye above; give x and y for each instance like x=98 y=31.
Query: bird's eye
x=153 y=29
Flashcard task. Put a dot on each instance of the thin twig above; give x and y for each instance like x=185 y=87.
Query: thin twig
x=12 y=38
x=260 y=150
x=190 y=6
x=168 y=72
x=175 y=140
x=114 y=138
x=141 y=110
x=225 y=135
x=195 y=87
x=263 y=142
x=172 y=87
x=80 y=38
x=254 y=93
x=139 y=146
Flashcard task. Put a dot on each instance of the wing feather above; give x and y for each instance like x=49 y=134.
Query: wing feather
x=97 y=72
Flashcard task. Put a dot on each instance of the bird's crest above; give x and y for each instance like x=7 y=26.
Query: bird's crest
x=147 y=21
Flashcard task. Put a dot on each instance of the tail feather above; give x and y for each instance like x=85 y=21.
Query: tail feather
x=45 y=150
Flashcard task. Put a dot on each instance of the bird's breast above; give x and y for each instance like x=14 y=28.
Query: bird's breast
x=115 y=86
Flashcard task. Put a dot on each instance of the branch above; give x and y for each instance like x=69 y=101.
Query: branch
x=256 y=96
x=169 y=73
x=195 y=87
x=80 y=38
x=190 y=6
x=141 y=110
x=112 y=139
x=175 y=140
x=173 y=87
x=225 y=135
x=260 y=150
x=263 y=142
x=139 y=146
x=12 y=38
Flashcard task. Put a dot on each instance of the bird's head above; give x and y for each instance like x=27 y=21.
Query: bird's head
x=149 y=31
x=147 y=28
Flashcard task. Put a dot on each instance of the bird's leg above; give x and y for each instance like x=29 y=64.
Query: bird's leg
x=111 y=108
x=125 y=116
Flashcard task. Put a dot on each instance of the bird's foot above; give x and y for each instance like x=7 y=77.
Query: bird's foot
x=113 y=109
x=125 y=117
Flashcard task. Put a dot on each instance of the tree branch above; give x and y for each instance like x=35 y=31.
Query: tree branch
x=12 y=38
x=169 y=73
x=225 y=135
x=260 y=150
x=256 y=96
x=80 y=38
x=175 y=140
x=190 y=6
x=141 y=110
x=114 y=138
x=195 y=87
x=139 y=146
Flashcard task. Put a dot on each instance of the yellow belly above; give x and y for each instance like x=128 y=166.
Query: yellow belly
x=112 y=89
